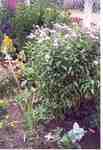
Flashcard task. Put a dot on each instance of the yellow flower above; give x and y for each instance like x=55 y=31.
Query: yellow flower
x=7 y=45
x=13 y=124
x=20 y=70
x=3 y=103
x=8 y=41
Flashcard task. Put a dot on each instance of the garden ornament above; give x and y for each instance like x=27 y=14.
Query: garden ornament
x=76 y=133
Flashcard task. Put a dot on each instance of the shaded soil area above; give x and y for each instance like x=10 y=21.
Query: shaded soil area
x=89 y=141
x=17 y=137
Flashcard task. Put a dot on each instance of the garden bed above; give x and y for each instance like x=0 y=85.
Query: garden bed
x=14 y=137
x=54 y=102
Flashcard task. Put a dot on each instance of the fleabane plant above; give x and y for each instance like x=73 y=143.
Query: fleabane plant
x=64 y=68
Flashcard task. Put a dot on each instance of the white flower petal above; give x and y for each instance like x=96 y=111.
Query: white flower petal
x=49 y=136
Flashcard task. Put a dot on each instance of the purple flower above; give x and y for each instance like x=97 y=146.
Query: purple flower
x=6 y=28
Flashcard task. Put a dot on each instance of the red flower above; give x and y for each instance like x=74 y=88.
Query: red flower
x=76 y=19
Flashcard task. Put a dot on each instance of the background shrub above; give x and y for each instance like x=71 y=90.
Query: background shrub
x=22 y=22
x=38 y=13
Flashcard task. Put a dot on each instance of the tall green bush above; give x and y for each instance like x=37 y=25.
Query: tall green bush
x=67 y=73
x=22 y=22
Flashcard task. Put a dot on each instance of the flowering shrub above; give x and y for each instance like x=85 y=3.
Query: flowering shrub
x=64 y=67
x=38 y=13
x=25 y=16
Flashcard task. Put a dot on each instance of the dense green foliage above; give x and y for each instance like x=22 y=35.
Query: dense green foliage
x=38 y=13
x=60 y=77
x=65 y=74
